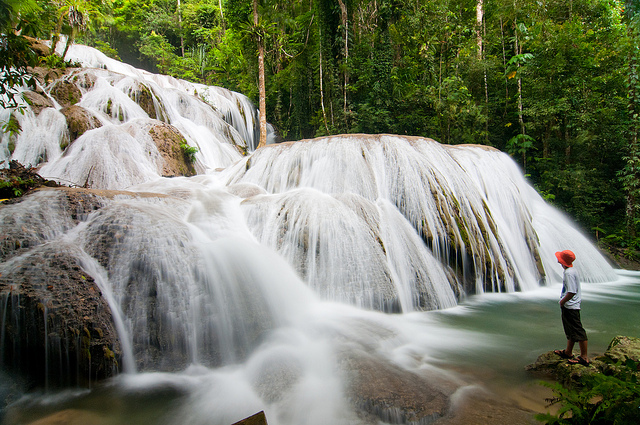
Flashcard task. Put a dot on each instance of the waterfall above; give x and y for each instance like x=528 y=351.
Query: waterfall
x=269 y=267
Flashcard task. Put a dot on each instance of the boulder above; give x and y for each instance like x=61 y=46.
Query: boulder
x=622 y=348
x=79 y=121
x=65 y=93
x=39 y=47
x=551 y=365
x=37 y=101
x=143 y=96
x=619 y=351
x=45 y=75
x=170 y=144
x=58 y=329
x=379 y=389
x=257 y=419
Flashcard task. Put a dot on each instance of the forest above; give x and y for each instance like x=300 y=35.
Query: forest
x=554 y=83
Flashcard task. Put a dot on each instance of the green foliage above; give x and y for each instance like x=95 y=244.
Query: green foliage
x=189 y=152
x=15 y=57
x=53 y=61
x=15 y=187
x=12 y=127
x=157 y=48
x=521 y=144
x=603 y=399
x=106 y=48
x=555 y=86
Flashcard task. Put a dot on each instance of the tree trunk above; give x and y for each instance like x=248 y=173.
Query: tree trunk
x=261 y=81
x=504 y=64
x=224 y=29
x=480 y=40
x=70 y=40
x=520 y=107
x=345 y=25
x=324 y=113
x=180 y=29
x=633 y=107
x=479 y=19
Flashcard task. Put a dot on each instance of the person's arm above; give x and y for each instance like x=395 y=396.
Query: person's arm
x=566 y=298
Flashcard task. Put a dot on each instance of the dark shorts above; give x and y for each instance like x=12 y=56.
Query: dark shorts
x=572 y=325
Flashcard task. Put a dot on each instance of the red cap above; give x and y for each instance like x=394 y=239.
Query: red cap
x=566 y=257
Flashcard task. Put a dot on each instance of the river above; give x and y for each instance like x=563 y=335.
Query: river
x=483 y=343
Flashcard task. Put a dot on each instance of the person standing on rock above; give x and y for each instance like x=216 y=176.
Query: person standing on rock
x=570 y=301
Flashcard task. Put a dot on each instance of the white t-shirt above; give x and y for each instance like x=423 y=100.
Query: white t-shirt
x=571 y=283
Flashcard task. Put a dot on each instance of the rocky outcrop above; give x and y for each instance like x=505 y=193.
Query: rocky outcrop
x=38 y=47
x=65 y=93
x=17 y=180
x=57 y=327
x=380 y=389
x=621 y=349
x=143 y=96
x=79 y=121
x=82 y=79
x=45 y=75
x=170 y=144
x=37 y=100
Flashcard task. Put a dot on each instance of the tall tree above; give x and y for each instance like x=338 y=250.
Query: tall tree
x=15 y=50
x=74 y=17
x=631 y=174
x=344 y=15
x=261 y=80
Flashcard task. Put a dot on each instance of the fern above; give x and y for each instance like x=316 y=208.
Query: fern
x=603 y=399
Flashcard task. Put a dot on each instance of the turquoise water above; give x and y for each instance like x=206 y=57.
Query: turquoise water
x=506 y=332
x=486 y=340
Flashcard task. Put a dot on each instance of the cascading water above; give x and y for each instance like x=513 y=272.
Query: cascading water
x=262 y=282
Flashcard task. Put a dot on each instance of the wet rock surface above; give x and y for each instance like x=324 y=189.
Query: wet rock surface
x=620 y=349
x=65 y=93
x=169 y=142
x=379 y=389
x=79 y=121
x=38 y=100
x=58 y=329
x=144 y=97
x=31 y=221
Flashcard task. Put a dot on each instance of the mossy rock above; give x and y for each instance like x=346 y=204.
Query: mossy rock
x=65 y=93
x=37 y=101
x=169 y=142
x=51 y=333
x=79 y=121
x=621 y=349
x=39 y=47
x=144 y=97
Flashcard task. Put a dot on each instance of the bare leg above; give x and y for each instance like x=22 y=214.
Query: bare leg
x=569 y=350
x=583 y=349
